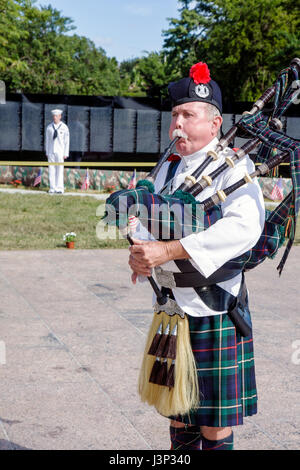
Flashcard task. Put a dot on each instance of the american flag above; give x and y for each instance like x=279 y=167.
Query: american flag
x=38 y=178
x=86 y=183
x=132 y=182
x=277 y=191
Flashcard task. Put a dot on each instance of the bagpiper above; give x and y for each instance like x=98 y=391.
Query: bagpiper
x=224 y=360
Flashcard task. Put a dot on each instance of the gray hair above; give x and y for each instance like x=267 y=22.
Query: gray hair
x=212 y=111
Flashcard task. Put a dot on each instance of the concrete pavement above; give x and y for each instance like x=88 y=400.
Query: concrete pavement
x=73 y=328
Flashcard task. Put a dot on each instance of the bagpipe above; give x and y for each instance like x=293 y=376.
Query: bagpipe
x=168 y=377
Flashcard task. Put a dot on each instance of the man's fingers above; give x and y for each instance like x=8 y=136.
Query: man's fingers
x=138 y=253
x=144 y=271
x=134 y=277
x=137 y=242
x=138 y=267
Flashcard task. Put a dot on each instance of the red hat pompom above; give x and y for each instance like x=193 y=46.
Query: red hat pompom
x=200 y=73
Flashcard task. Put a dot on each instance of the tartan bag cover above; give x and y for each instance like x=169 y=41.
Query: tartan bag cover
x=183 y=215
x=256 y=126
x=284 y=95
x=271 y=142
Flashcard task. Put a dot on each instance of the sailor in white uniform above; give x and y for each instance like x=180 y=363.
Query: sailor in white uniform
x=57 y=150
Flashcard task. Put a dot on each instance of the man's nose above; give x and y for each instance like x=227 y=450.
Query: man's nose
x=178 y=122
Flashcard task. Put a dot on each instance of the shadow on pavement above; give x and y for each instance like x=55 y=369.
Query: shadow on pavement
x=7 y=445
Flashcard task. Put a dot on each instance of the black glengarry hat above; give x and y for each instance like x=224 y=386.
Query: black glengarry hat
x=197 y=87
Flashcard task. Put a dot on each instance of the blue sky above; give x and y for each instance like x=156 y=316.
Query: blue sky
x=124 y=28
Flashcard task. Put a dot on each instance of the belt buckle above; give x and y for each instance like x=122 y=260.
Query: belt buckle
x=165 y=278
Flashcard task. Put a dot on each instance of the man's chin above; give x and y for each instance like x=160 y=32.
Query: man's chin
x=182 y=147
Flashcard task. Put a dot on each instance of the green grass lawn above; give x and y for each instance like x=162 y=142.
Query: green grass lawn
x=39 y=221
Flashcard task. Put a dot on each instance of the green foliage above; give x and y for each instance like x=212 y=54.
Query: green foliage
x=153 y=72
x=244 y=42
x=131 y=78
x=48 y=59
x=10 y=36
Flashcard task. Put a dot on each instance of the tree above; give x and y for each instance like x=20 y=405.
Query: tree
x=152 y=68
x=10 y=36
x=132 y=82
x=244 y=42
x=48 y=59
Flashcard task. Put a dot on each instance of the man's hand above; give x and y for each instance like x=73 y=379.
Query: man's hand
x=146 y=255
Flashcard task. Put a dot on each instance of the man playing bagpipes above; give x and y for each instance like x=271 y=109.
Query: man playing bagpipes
x=224 y=360
x=198 y=367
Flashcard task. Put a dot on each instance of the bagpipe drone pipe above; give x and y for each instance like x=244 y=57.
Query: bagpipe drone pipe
x=168 y=384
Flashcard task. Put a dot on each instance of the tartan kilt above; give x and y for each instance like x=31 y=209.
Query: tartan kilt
x=226 y=373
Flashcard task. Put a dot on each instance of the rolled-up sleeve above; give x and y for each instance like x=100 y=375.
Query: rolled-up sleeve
x=236 y=232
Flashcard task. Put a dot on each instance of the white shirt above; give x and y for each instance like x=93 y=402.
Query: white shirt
x=237 y=232
x=60 y=145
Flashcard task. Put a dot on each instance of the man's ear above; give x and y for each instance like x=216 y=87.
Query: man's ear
x=216 y=124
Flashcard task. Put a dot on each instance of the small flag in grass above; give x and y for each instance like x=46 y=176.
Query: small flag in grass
x=86 y=184
x=38 y=178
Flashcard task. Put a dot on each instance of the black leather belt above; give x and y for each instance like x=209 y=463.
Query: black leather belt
x=191 y=277
x=220 y=300
x=214 y=296
x=196 y=279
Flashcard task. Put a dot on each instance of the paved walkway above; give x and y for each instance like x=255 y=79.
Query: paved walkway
x=74 y=329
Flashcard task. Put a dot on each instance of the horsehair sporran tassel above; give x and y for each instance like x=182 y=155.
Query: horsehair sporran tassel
x=156 y=340
x=163 y=341
x=184 y=396
x=170 y=382
x=170 y=348
x=161 y=376
x=149 y=391
x=154 y=371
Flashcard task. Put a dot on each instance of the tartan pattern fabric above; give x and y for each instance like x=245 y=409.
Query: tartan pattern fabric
x=281 y=212
x=174 y=223
x=267 y=246
x=284 y=90
x=221 y=444
x=226 y=373
x=166 y=217
x=185 y=439
x=284 y=93
x=257 y=126
x=190 y=438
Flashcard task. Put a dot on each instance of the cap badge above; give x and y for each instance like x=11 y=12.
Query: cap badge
x=202 y=91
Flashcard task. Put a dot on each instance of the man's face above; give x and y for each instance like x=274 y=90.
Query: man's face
x=56 y=118
x=193 y=120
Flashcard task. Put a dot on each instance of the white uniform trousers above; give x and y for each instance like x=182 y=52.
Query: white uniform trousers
x=56 y=173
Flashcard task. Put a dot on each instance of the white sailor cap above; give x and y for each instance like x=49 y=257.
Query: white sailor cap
x=56 y=112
